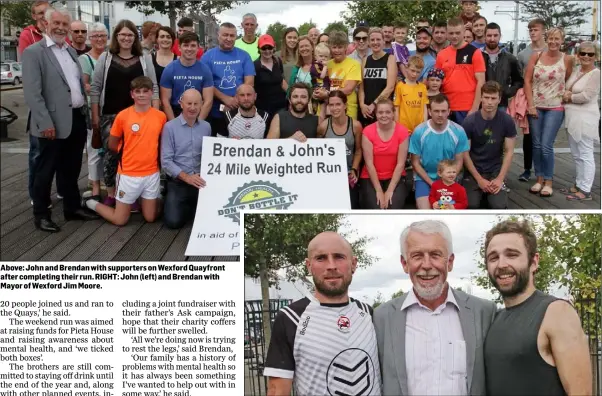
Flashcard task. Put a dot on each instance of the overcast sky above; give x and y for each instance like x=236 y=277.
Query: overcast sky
x=294 y=13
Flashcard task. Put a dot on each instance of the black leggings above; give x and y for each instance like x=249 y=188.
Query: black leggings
x=368 y=194
x=528 y=151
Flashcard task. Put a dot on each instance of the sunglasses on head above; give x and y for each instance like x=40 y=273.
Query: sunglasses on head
x=590 y=54
x=267 y=48
x=80 y=31
x=361 y=38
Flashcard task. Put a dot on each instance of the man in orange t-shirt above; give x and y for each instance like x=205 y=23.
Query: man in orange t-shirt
x=464 y=68
x=135 y=135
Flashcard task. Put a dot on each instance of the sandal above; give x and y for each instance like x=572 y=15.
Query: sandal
x=569 y=191
x=575 y=197
x=536 y=188
x=546 y=192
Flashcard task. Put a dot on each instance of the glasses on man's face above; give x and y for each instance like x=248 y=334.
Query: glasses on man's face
x=361 y=38
x=126 y=35
x=590 y=54
x=267 y=48
x=80 y=31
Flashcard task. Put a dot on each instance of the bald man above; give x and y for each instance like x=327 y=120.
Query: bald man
x=325 y=344
x=314 y=34
x=246 y=121
x=181 y=148
x=79 y=35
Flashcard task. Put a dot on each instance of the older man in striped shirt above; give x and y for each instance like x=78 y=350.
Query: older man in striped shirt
x=430 y=339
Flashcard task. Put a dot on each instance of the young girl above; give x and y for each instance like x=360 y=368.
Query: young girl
x=319 y=76
x=434 y=79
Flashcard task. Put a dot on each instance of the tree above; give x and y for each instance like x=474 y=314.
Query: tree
x=279 y=242
x=380 y=13
x=17 y=14
x=304 y=27
x=276 y=30
x=175 y=8
x=557 y=13
x=398 y=293
x=378 y=300
x=336 y=26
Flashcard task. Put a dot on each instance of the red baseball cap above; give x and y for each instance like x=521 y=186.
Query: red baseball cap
x=266 y=39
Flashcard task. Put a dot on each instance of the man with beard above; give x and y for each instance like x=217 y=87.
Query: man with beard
x=423 y=50
x=430 y=339
x=536 y=345
x=247 y=121
x=54 y=91
x=296 y=122
x=325 y=344
x=501 y=66
x=79 y=35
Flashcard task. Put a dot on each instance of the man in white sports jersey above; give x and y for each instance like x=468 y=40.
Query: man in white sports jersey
x=246 y=121
x=325 y=344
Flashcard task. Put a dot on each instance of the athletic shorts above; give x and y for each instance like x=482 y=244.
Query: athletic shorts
x=130 y=188
x=422 y=188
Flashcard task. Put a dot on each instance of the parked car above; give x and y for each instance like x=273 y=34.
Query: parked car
x=11 y=73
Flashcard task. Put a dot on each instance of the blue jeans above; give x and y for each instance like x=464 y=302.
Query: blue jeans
x=458 y=116
x=543 y=131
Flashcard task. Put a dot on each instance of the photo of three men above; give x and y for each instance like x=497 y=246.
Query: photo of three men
x=527 y=337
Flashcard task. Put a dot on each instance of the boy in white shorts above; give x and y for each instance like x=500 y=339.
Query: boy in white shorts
x=135 y=134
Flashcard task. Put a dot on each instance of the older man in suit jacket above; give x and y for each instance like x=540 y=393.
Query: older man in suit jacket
x=430 y=340
x=54 y=91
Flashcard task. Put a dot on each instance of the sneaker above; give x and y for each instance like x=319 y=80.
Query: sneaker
x=135 y=208
x=49 y=206
x=109 y=201
x=59 y=196
x=525 y=176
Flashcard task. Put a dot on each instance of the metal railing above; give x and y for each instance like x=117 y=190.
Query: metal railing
x=590 y=313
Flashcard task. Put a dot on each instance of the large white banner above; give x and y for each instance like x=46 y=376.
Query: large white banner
x=263 y=174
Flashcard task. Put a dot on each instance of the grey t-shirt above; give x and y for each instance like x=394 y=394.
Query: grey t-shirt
x=524 y=56
x=487 y=140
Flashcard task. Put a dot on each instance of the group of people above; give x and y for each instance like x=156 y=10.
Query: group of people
x=434 y=339
x=441 y=107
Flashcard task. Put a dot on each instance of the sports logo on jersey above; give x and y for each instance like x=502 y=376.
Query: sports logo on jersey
x=256 y=195
x=351 y=372
x=344 y=324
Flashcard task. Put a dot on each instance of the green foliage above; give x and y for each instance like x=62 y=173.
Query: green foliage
x=379 y=299
x=336 y=26
x=570 y=250
x=280 y=241
x=17 y=14
x=304 y=27
x=276 y=30
x=557 y=13
x=398 y=293
x=179 y=7
x=380 y=13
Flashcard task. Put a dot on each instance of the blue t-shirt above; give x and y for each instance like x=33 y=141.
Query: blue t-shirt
x=433 y=146
x=229 y=69
x=179 y=78
x=429 y=63
x=480 y=46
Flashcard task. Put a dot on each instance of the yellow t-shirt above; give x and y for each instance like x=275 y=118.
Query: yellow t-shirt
x=339 y=74
x=411 y=100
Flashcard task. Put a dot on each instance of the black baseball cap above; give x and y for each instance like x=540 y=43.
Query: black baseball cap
x=425 y=30
x=361 y=24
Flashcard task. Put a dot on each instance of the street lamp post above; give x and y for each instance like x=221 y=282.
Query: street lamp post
x=515 y=14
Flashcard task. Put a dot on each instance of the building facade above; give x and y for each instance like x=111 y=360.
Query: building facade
x=90 y=12
x=9 y=41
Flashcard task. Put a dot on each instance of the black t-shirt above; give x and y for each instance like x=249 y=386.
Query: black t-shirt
x=268 y=85
x=487 y=140
x=84 y=51
x=117 y=87
x=289 y=124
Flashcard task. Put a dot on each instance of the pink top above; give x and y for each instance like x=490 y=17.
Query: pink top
x=548 y=84
x=384 y=153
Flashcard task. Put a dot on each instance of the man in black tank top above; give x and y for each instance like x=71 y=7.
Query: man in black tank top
x=296 y=122
x=536 y=345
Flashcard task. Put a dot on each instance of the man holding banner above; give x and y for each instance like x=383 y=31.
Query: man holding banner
x=295 y=123
x=181 y=145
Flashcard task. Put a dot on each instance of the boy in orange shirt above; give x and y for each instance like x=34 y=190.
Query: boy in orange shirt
x=411 y=97
x=135 y=135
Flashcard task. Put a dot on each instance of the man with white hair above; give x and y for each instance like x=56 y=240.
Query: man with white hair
x=248 y=41
x=54 y=91
x=430 y=339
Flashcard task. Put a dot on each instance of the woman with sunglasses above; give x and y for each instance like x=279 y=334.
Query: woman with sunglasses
x=288 y=51
x=545 y=80
x=379 y=72
x=582 y=116
x=270 y=85
x=360 y=40
x=110 y=91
